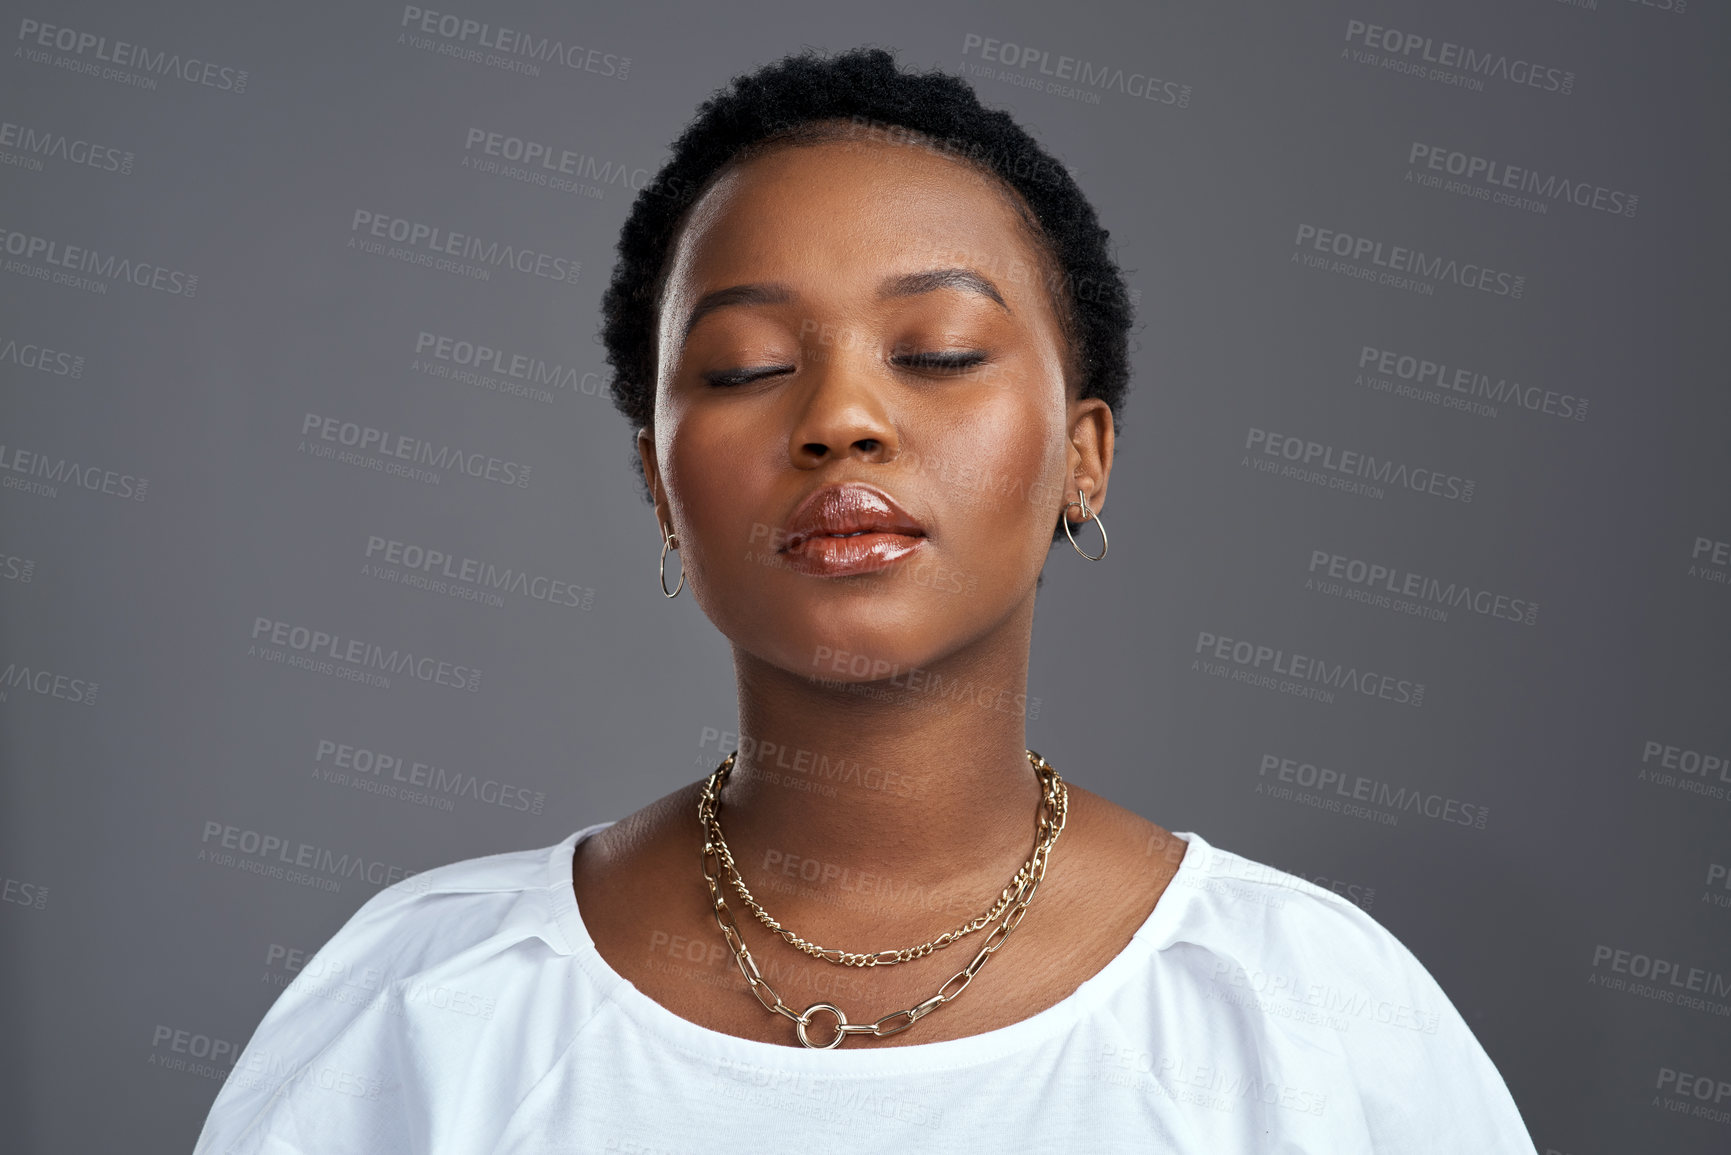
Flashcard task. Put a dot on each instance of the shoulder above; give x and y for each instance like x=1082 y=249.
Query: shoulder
x=461 y=902
x=1271 y=932
x=1304 y=980
x=423 y=920
x=398 y=1001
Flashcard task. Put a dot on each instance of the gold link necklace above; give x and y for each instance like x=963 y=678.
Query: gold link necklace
x=877 y=958
x=718 y=861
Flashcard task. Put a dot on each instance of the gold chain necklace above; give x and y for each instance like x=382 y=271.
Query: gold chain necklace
x=876 y=958
x=718 y=860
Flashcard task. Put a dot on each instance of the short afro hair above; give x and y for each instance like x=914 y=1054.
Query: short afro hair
x=808 y=98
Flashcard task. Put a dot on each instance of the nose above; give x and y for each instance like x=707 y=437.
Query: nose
x=842 y=412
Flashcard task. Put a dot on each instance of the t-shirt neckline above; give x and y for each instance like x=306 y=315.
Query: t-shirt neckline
x=660 y=1023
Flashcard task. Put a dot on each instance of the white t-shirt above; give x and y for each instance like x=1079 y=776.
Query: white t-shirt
x=466 y=1011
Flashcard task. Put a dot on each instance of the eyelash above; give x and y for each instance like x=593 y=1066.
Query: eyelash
x=939 y=361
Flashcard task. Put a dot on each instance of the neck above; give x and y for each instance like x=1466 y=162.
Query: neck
x=913 y=787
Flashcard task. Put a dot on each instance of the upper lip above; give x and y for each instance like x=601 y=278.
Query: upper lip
x=848 y=507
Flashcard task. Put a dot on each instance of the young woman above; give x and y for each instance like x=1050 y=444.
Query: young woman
x=874 y=348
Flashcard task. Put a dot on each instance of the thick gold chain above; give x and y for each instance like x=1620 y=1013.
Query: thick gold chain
x=712 y=825
x=717 y=862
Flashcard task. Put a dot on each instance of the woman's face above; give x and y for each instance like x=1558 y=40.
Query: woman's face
x=800 y=347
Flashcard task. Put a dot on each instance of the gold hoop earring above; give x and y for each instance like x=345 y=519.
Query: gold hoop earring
x=1086 y=515
x=670 y=539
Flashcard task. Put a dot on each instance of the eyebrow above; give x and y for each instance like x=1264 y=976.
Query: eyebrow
x=896 y=285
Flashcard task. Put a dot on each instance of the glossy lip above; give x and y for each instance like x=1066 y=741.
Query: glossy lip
x=848 y=528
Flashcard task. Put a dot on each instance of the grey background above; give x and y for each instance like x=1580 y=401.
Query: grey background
x=114 y=930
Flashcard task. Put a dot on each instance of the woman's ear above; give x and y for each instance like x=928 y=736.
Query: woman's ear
x=652 y=478
x=1089 y=459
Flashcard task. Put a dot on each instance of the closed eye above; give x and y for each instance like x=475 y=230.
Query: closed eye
x=942 y=362
x=725 y=377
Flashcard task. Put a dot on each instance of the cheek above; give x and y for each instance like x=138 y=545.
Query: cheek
x=716 y=472
x=999 y=460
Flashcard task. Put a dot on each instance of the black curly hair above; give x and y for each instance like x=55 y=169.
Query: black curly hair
x=808 y=98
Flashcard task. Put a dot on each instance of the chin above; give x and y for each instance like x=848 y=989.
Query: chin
x=861 y=644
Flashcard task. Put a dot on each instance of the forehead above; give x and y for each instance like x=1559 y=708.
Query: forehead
x=846 y=212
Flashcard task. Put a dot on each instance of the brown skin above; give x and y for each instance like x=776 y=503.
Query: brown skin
x=986 y=459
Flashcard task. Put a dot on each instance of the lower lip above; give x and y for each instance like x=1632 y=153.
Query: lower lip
x=840 y=556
